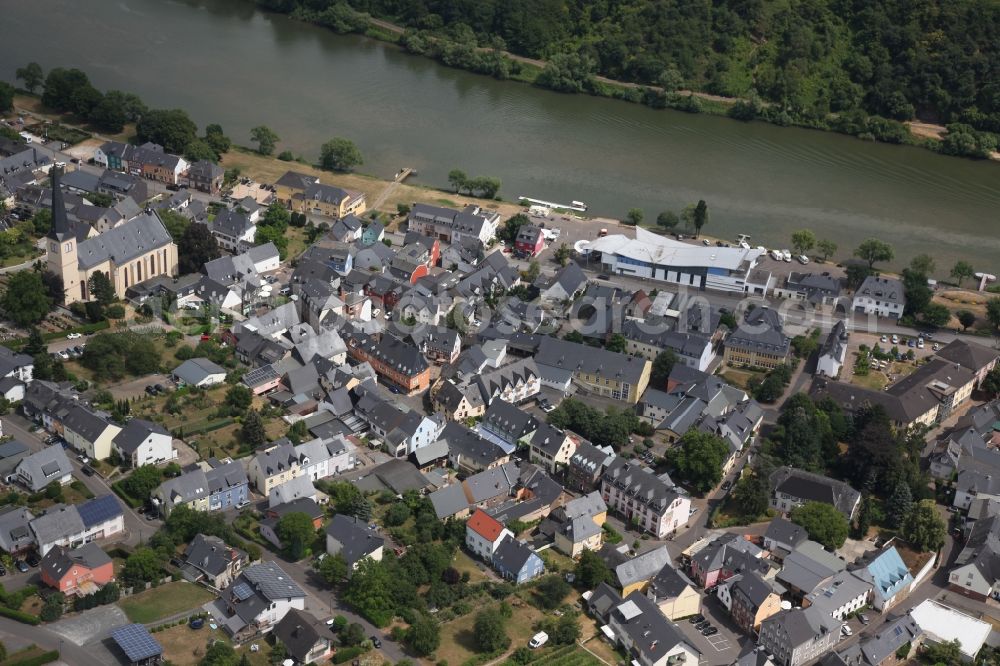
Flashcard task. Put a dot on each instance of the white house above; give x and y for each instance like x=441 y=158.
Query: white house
x=353 y=539
x=88 y=431
x=301 y=487
x=833 y=352
x=483 y=534
x=652 y=502
x=143 y=442
x=200 y=372
x=256 y=601
x=43 y=467
x=16 y=366
x=320 y=458
x=647 y=636
x=75 y=525
x=880 y=296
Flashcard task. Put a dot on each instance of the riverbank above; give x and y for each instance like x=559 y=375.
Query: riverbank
x=528 y=70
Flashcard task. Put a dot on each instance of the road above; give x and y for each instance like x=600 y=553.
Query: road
x=69 y=653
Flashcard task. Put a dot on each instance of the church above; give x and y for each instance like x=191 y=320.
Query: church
x=129 y=253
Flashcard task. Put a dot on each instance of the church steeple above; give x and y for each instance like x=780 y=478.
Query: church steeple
x=60 y=225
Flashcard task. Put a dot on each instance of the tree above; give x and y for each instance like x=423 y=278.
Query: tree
x=60 y=86
x=534 y=270
x=6 y=99
x=993 y=311
x=874 y=251
x=352 y=634
x=698 y=458
x=101 y=288
x=333 y=568
x=617 y=343
x=296 y=532
x=663 y=365
x=198 y=149
x=803 y=241
x=551 y=591
x=490 y=631
x=923 y=528
x=217 y=139
x=826 y=248
x=397 y=514
x=31 y=76
x=949 y=652
x=991 y=383
x=423 y=636
x=512 y=226
x=962 y=270
x=252 y=432
x=823 y=523
x=898 y=506
x=171 y=128
x=265 y=137
x=298 y=432
x=667 y=219
x=966 y=319
x=591 y=570
x=700 y=217
x=923 y=264
x=339 y=154
x=238 y=398
x=751 y=495
x=370 y=590
x=143 y=565
x=141 y=483
x=35 y=344
x=936 y=314
x=26 y=300
x=563 y=254
x=53 y=608
x=634 y=216
x=457 y=179
x=196 y=247
x=220 y=653
x=266 y=234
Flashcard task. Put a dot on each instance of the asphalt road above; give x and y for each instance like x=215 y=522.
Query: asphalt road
x=69 y=653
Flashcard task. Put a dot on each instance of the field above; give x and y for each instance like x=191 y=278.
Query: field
x=739 y=377
x=458 y=640
x=463 y=563
x=563 y=655
x=184 y=646
x=161 y=602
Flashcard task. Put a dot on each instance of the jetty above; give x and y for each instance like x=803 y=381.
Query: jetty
x=577 y=206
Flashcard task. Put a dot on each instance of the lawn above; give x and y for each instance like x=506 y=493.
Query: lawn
x=465 y=564
x=163 y=601
x=458 y=640
x=740 y=377
x=184 y=646
x=556 y=562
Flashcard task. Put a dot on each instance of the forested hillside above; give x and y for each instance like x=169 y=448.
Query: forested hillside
x=937 y=60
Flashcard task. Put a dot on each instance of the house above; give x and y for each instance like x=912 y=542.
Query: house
x=112 y=155
x=942 y=624
x=305 y=639
x=596 y=371
x=353 y=539
x=75 y=525
x=16 y=366
x=586 y=466
x=483 y=535
x=80 y=571
x=530 y=241
x=880 y=296
x=331 y=201
x=16 y=536
x=674 y=593
x=551 y=447
x=403 y=432
x=38 y=470
x=347 y=229
x=204 y=176
x=199 y=372
x=233 y=230
x=647 y=636
x=516 y=562
x=815 y=288
x=506 y=425
x=579 y=524
x=151 y=162
x=295 y=488
x=143 y=442
x=189 y=489
x=759 y=342
x=256 y=601
x=976 y=571
x=894 y=643
x=652 y=502
x=228 y=486
x=291 y=187
x=782 y=537
x=634 y=575
x=798 y=636
x=844 y=594
x=320 y=458
x=972 y=356
x=793 y=487
x=399 y=364
x=12 y=452
x=273 y=467
x=833 y=352
x=564 y=286
x=807 y=568
x=210 y=560
x=649 y=340
x=753 y=601
x=723 y=558
x=453 y=226
x=890 y=578
x=440 y=344
x=470 y=453
x=87 y=431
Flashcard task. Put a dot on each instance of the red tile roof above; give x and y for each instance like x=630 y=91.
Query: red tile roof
x=484 y=525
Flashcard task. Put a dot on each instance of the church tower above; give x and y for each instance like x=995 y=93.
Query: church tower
x=62 y=257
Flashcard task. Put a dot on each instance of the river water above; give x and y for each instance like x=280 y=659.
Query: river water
x=225 y=62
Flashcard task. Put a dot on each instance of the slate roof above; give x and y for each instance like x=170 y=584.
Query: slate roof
x=56 y=523
x=211 y=554
x=468 y=444
x=815 y=488
x=15 y=530
x=299 y=632
x=277 y=460
x=185 y=488
x=645 y=486
x=668 y=583
x=969 y=355
x=642 y=567
x=785 y=531
x=564 y=355
x=125 y=242
x=45 y=466
x=59 y=560
x=195 y=370
x=649 y=631
x=512 y=555
x=449 y=500
x=882 y=289
x=224 y=476
x=85 y=422
x=136 y=432
x=548 y=439
x=357 y=540
x=760 y=331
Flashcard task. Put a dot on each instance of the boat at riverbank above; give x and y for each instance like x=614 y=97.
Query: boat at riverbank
x=577 y=206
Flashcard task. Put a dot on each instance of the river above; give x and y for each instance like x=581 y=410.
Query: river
x=225 y=62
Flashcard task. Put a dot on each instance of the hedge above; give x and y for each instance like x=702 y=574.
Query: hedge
x=26 y=618
x=37 y=660
x=346 y=654
x=85 y=329
x=207 y=427
x=128 y=499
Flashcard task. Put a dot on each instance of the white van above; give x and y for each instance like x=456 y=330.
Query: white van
x=538 y=640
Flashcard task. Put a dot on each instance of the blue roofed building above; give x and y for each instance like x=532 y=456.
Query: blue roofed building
x=891 y=580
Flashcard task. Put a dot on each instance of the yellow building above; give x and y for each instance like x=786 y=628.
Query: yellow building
x=759 y=342
x=674 y=594
x=305 y=194
x=130 y=253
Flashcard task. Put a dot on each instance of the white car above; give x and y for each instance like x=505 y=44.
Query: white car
x=376 y=312
x=803 y=259
x=64 y=355
x=538 y=640
x=776 y=255
x=786 y=255
x=73 y=336
x=920 y=343
x=895 y=339
x=846 y=630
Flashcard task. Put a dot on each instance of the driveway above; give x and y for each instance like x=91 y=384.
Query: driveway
x=137 y=387
x=91 y=625
x=723 y=647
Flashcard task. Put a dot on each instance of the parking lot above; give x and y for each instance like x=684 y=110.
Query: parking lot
x=723 y=647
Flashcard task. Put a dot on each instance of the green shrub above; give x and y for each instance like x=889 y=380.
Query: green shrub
x=347 y=654
x=26 y=618
x=37 y=660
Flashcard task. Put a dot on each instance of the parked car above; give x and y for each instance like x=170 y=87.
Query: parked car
x=3 y=570
x=885 y=338
x=377 y=642
x=73 y=336
x=895 y=339
x=709 y=631
x=160 y=388
x=863 y=618
x=151 y=390
x=786 y=255
x=701 y=625
x=22 y=566
x=538 y=640
x=83 y=458
x=197 y=622
x=802 y=259
x=376 y=312
x=33 y=560
x=87 y=470
x=695 y=619
x=846 y=630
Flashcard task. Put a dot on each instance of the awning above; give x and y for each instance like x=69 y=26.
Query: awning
x=608 y=633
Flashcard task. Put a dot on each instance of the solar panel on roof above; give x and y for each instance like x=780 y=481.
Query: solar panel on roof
x=136 y=643
x=99 y=510
x=242 y=591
